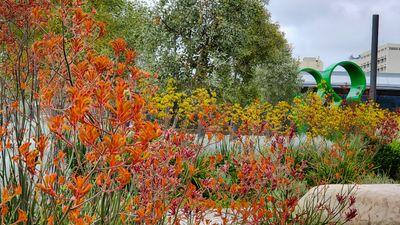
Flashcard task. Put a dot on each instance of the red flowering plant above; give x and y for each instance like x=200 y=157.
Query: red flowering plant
x=99 y=149
x=259 y=187
x=22 y=142
x=110 y=148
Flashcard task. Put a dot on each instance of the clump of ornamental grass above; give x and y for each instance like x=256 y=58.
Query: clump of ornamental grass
x=343 y=162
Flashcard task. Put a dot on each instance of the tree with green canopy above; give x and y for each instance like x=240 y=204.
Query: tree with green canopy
x=221 y=44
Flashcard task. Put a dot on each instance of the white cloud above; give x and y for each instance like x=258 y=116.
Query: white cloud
x=335 y=29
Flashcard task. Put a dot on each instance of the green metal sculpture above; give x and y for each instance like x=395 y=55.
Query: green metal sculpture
x=357 y=78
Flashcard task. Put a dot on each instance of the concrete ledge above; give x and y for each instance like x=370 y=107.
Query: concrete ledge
x=375 y=203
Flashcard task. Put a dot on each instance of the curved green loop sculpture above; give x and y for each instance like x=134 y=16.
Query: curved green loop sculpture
x=357 y=78
x=318 y=78
x=313 y=72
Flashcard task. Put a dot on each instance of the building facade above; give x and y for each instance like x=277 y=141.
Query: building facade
x=388 y=59
x=312 y=62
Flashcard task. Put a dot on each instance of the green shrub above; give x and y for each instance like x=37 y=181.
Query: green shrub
x=378 y=179
x=346 y=161
x=387 y=160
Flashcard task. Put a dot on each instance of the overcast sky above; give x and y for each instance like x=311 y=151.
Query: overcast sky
x=335 y=29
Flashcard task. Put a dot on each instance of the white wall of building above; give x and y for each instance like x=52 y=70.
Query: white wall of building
x=312 y=62
x=388 y=59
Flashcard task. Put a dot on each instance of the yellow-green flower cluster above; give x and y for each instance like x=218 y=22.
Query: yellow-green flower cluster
x=199 y=102
x=279 y=118
x=311 y=114
x=321 y=118
x=164 y=102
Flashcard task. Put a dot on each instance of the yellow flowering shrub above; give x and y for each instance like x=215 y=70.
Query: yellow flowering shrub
x=164 y=102
x=233 y=113
x=279 y=118
x=311 y=114
x=321 y=118
x=199 y=102
x=254 y=117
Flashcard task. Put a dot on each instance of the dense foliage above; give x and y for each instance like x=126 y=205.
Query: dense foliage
x=387 y=160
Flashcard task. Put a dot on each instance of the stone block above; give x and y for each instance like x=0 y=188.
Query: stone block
x=376 y=204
